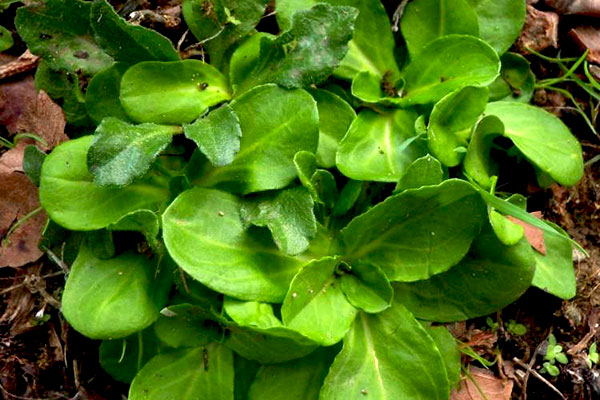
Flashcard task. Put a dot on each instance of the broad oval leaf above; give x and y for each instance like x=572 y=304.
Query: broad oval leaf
x=417 y=233
x=171 y=92
x=276 y=123
x=554 y=271
x=73 y=200
x=122 y=152
x=244 y=58
x=500 y=21
x=542 y=138
x=378 y=147
x=516 y=81
x=189 y=374
x=127 y=42
x=451 y=121
x=478 y=163
x=204 y=234
x=217 y=135
x=366 y=287
x=470 y=289
x=335 y=116
x=448 y=347
x=387 y=356
x=426 y=20
x=186 y=325
x=424 y=171
x=102 y=94
x=109 y=299
x=315 y=304
x=446 y=64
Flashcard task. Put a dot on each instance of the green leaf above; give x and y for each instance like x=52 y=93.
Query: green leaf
x=542 y=138
x=102 y=95
x=122 y=152
x=108 y=299
x=446 y=64
x=516 y=81
x=144 y=221
x=500 y=21
x=245 y=372
x=202 y=372
x=423 y=21
x=289 y=216
x=33 y=159
x=183 y=325
x=295 y=380
x=217 y=135
x=470 y=289
x=366 y=287
x=348 y=197
x=126 y=42
x=276 y=124
x=424 y=171
x=315 y=304
x=305 y=164
x=478 y=163
x=417 y=233
x=507 y=231
x=59 y=31
x=175 y=92
x=448 y=347
x=554 y=271
x=335 y=116
x=378 y=147
x=219 y=24
x=367 y=86
x=260 y=335
x=6 y=39
x=451 y=121
x=244 y=59
x=204 y=234
x=73 y=200
x=303 y=55
x=324 y=184
x=123 y=358
x=387 y=356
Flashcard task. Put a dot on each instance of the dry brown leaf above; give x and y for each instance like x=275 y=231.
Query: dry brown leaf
x=579 y=7
x=540 y=31
x=485 y=381
x=18 y=197
x=535 y=236
x=588 y=38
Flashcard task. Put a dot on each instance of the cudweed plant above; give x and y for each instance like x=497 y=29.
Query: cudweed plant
x=293 y=216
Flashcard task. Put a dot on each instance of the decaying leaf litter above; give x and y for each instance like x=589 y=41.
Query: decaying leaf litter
x=563 y=202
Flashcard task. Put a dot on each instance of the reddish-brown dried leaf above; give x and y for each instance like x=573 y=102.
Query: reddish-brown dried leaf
x=485 y=381
x=579 y=7
x=540 y=31
x=535 y=236
x=588 y=38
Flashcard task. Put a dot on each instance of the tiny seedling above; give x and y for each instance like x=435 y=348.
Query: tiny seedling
x=593 y=357
x=554 y=353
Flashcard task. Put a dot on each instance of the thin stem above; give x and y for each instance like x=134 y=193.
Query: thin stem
x=21 y=222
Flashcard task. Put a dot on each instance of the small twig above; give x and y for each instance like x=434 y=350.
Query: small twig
x=26 y=281
x=540 y=377
x=528 y=371
x=26 y=62
x=181 y=40
x=57 y=260
x=398 y=15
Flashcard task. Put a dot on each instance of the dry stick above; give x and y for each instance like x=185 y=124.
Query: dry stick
x=540 y=377
x=398 y=15
x=26 y=62
x=528 y=372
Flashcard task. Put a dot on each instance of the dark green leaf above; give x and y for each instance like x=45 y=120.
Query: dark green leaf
x=366 y=287
x=244 y=59
x=448 y=348
x=122 y=152
x=516 y=81
x=348 y=197
x=217 y=135
x=424 y=171
x=289 y=216
x=143 y=221
x=32 y=163
x=102 y=95
x=183 y=325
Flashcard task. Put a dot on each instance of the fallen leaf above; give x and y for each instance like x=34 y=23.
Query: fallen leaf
x=588 y=38
x=580 y=7
x=483 y=380
x=534 y=235
x=540 y=31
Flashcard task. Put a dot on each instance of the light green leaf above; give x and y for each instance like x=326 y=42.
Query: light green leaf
x=417 y=233
x=295 y=380
x=171 y=92
x=217 y=135
x=507 y=231
x=516 y=81
x=184 y=325
x=123 y=358
x=448 y=348
x=6 y=39
x=451 y=121
x=202 y=372
x=324 y=183
x=220 y=24
x=205 y=236
x=276 y=124
x=471 y=289
x=366 y=86
x=59 y=31
x=127 y=42
x=335 y=116
x=378 y=147
x=366 y=287
x=542 y=138
x=423 y=21
x=73 y=200
x=305 y=164
x=122 y=152
x=102 y=95
x=478 y=163
x=315 y=304
x=289 y=216
x=446 y=64
x=251 y=314
x=500 y=21
x=387 y=356
x=424 y=171
x=554 y=271
x=244 y=58
x=108 y=299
